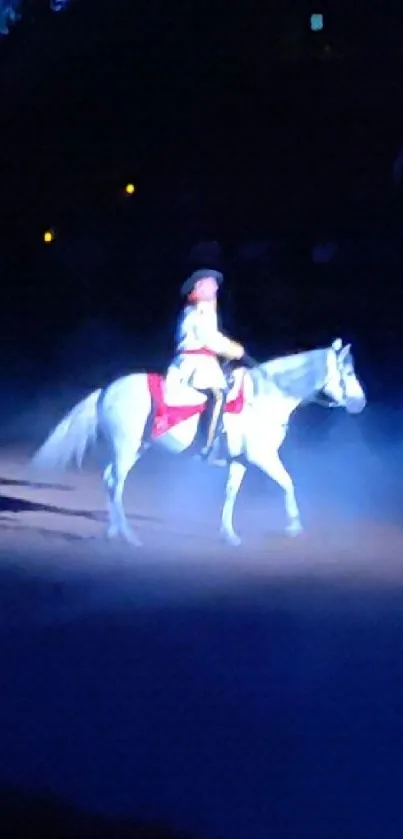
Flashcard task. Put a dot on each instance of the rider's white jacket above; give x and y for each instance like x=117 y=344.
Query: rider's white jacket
x=197 y=329
x=197 y=332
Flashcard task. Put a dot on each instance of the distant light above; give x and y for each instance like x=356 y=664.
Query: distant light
x=48 y=236
x=316 y=23
x=130 y=189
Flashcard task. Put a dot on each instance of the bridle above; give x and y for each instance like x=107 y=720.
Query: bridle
x=322 y=399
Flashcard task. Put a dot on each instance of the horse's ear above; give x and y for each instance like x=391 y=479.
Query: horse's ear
x=337 y=345
x=345 y=351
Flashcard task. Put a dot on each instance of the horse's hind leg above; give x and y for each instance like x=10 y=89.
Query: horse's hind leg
x=125 y=456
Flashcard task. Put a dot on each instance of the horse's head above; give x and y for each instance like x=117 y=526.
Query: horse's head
x=342 y=387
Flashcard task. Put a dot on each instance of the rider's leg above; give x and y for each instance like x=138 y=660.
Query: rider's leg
x=217 y=395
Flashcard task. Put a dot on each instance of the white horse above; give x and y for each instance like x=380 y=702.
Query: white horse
x=142 y=409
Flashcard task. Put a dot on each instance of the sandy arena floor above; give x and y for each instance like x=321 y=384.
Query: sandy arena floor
x=219 y=689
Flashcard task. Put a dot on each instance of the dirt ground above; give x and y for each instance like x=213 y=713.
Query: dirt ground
x=176 y=512
x=58 y=522
x=229 y=692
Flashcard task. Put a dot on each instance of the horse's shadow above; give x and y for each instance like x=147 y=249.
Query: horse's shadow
x=10 y=482
x=11 y=505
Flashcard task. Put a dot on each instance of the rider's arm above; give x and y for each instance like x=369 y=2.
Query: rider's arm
x=210 y=337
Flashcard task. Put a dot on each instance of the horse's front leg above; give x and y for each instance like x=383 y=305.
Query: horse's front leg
x=235 y=477
x=271 y=465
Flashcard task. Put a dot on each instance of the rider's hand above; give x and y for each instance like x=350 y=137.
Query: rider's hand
x=238 y=351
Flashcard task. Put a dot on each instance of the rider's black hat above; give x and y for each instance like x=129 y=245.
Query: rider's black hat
x=200 y=274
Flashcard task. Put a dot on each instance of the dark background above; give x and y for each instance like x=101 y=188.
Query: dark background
x=236 y=128
x=253 y=144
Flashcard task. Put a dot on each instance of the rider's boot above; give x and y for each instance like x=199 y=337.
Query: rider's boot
x=211 y=451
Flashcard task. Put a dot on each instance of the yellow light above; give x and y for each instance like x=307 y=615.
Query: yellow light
x=48 y=236
x=130 y=189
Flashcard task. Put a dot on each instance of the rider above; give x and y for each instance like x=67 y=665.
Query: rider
x=200 y=344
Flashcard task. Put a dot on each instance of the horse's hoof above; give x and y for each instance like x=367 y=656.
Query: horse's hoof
x=132 y=540
x=231 y=539
x=294 y=528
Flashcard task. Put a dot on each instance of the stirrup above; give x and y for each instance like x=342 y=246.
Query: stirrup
x=212 y=454
x=207 y=451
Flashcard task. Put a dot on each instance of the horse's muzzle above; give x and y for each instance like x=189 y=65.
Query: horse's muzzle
x=356 y=405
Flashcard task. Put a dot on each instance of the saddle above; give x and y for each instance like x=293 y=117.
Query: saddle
x=167 y=414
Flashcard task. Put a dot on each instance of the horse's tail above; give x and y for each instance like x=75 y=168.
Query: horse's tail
x=70 y=439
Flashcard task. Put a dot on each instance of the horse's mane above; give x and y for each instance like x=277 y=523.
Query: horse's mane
x=299 y=375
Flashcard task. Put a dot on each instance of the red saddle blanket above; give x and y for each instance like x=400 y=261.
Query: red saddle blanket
x=167 y=416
